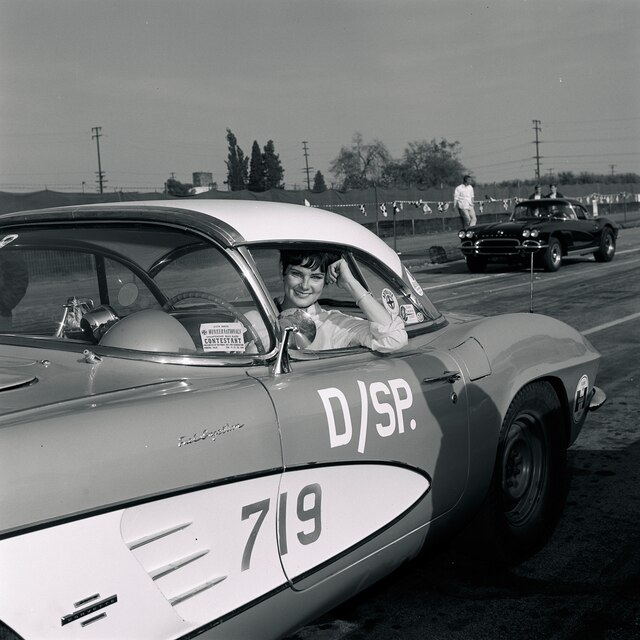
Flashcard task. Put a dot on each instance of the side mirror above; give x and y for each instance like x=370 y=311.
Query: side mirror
x=301 y=324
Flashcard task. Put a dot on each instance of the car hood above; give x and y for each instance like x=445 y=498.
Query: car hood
x=61 y=382
x=508 y=228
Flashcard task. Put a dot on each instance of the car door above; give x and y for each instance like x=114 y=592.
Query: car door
x=583 y=231
x=365 y=438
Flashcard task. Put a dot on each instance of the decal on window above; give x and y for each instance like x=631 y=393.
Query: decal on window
x=408 y=314
x=390 y=301
x=222 y=336
x=414 y=283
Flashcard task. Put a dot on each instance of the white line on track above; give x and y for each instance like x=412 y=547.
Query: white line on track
x=539 y=281
x=613 y=323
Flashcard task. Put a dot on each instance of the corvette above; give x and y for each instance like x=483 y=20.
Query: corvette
x=545 y=230
x=173 y=467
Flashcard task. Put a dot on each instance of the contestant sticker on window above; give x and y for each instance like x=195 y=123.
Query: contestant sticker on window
x=222 y=336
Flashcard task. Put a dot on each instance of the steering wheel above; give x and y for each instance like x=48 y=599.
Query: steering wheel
x=211 y=297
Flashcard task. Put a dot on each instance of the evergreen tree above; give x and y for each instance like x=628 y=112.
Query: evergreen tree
x=237 y=165
x=274 y=173
x=257 y=173
x=318 y=183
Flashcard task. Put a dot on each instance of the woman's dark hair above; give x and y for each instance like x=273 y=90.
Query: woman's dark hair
x=309 y=259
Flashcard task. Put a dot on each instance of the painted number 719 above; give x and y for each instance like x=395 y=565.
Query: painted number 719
x=308 y=509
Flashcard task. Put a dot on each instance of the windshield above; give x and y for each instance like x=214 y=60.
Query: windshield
x=542 y=210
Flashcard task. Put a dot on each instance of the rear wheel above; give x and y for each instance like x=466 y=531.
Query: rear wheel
x=607 y=247
x=529 y=483
x=552 y=256
x=476 y=264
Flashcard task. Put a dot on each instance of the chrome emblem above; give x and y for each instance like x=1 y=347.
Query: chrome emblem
x=89 y=609
x=500 y=232
x=207 y=434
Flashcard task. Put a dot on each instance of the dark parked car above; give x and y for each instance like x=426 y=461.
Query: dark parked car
x=548 y=228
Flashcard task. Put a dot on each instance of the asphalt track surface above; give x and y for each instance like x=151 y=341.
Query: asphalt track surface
x=585 y=584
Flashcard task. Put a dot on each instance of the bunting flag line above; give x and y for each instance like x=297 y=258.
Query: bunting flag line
x=442 y=206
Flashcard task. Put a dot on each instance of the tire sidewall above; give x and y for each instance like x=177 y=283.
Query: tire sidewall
x=501 y=540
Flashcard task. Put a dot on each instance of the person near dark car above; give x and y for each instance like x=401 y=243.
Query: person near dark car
x=553 y=191
x=537 y=193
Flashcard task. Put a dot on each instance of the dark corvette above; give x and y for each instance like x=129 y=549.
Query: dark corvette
x=549 y=229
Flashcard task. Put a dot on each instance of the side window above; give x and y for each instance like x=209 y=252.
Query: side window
x=39 y=284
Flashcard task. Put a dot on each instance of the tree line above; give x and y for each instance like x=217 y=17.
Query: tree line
x=362 y=164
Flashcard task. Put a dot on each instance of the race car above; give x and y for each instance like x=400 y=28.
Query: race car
x=544 y=230
x=173 y=465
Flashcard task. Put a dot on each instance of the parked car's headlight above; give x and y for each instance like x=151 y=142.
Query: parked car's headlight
x=461 y=234
x=526 y=233
x=534 y=233
x=469 y=234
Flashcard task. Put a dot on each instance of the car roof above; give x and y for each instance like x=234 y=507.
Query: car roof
x=243 y=222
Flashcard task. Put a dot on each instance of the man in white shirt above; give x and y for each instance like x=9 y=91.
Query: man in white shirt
x=463 y=198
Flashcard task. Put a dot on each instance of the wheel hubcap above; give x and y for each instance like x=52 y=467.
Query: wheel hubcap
x=523 y=469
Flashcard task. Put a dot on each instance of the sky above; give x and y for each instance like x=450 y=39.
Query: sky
x=164 y=80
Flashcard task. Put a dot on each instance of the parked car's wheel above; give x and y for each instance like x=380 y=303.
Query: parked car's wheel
x=476 y=264
x=552 y=256
x=607 y=247
x=529 y=483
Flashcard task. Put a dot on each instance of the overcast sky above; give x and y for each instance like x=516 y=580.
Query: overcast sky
x=166 y=78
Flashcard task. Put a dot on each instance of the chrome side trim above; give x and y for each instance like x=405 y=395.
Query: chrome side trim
x=156 y=536
x=195 y=591
x=170 y=567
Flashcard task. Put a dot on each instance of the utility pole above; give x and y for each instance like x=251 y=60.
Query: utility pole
x=537 y=128
x=613 y=169
x=100 y=172
x=306 y=163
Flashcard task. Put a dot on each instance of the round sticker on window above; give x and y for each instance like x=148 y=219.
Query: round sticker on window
x=414 y=283
x=390 y=301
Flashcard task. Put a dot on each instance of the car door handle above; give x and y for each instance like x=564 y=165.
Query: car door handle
x=447 y=376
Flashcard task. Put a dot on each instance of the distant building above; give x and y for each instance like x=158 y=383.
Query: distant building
x=203 y=179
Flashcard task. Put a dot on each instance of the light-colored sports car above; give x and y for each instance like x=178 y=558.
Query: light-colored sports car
x=171 y=467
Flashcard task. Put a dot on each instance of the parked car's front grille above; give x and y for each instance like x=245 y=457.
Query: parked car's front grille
x=499 y=246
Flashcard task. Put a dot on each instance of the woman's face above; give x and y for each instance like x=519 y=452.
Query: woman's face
x=302 y=286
